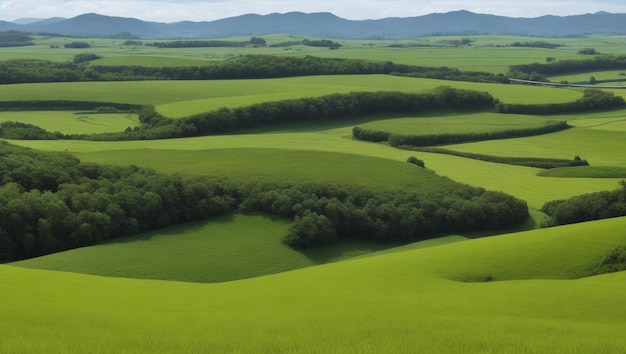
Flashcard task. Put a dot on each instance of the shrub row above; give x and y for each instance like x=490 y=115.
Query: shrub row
x=537 y=162
x=398 y=140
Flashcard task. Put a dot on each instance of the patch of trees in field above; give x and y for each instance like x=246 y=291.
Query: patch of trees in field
x=51 y=202
x=587 y=207
x=536 y=44
x=593 y=99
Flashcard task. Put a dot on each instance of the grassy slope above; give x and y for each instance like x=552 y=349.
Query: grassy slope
x=396 y=302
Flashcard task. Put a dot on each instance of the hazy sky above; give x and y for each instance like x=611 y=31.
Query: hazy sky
x=207 y=10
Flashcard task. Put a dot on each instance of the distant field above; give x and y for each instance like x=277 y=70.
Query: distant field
x=436 y=299
x=194 y=156
x=487 y=53
x=183 y=98
x=71 y=122
x=455 y=123
x=598 y=75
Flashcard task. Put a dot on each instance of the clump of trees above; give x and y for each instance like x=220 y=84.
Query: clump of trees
x=83 y=58
x=77 y=45
x=51 y=202
x=587 y=207
x=321 y=43
x=536 y=44
x=256 y=41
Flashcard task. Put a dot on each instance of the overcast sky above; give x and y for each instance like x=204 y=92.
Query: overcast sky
x=208 y=10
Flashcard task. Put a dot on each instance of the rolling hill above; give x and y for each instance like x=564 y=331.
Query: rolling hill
x=326 y=24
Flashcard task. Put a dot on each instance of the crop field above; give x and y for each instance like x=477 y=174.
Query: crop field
x=231 y=284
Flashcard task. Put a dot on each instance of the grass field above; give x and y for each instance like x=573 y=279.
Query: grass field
x=599 y=75
x=70 y=122
x=395 y=303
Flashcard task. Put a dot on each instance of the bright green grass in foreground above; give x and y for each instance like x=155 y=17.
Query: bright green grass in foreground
x=393 y=303
x=455 y=123
x=68 y=122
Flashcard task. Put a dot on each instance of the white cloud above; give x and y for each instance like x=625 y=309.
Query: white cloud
x=207 y=10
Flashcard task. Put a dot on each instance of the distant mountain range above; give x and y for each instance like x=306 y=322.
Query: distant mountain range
x=325 y=24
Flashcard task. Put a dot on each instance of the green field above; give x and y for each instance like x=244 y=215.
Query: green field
x=229 y=284
x=70 y=122
x=419 y=298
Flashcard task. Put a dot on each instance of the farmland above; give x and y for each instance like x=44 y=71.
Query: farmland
x=231 y=283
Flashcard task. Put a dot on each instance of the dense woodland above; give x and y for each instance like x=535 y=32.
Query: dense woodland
x=51 y=202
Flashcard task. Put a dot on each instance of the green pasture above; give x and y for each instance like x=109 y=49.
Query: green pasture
x=436 y=299
x=71 y=122
x=183 y=98
x=456 y=123
x=583 y=78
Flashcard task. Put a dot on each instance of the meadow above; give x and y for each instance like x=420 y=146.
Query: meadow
x=70 y=122
x=229 y=284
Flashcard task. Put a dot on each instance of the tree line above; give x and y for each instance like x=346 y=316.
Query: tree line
x=51 y=202
x=408 y=141
x=242 y=67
